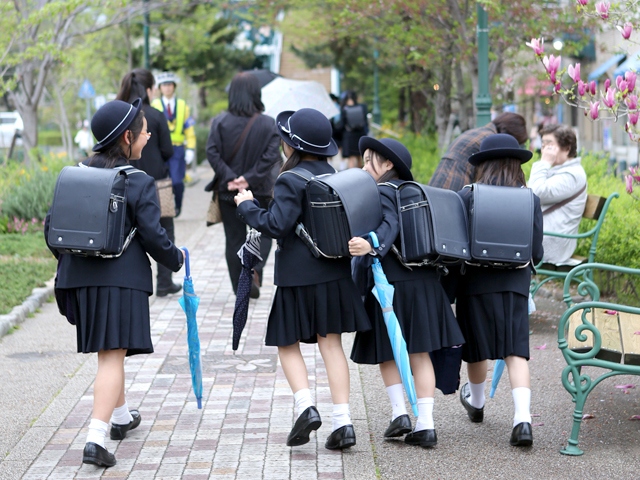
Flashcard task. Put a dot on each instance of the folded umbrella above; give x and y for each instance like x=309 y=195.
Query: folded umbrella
x=383 y=291
x=189 y=302
x=249 y=255
x=498 y=368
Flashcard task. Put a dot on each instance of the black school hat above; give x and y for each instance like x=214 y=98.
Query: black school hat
x=308 y=131
x=500 y=145
x=392 y=150
x=111 y=120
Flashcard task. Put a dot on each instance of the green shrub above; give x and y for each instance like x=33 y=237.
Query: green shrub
x=49 y=138
x=424 y=153
x=202 y=133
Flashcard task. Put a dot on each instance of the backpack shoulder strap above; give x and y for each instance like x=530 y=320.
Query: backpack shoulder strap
x=300 y=172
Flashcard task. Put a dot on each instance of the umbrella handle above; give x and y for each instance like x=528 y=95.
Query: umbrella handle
x=186 y=262
x=376 y=244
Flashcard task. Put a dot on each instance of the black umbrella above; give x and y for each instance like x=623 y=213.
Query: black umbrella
x=264 y=76
x=249 y=255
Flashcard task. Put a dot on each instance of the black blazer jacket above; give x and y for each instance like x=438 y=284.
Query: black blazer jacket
x=132 y=269
x=158 y=148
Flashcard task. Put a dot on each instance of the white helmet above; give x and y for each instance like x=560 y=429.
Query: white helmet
x=167 y=77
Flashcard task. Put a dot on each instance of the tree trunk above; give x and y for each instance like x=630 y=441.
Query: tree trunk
x=202 y=95
x=443 y=102
x=465 y=115
x=402 y=108
x=29 y=113
x=63 y=122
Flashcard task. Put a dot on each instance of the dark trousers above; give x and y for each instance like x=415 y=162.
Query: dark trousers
x=177 y=171
x=163 y=277
x=235 y=232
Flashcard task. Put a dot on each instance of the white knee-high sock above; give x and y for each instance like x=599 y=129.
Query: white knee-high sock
x=522 y=403
x=396 y=397
x=121 y=415
x=97 y=431
x=341 y=415
x=477 y=394
x=425 y=414
x=303 y=400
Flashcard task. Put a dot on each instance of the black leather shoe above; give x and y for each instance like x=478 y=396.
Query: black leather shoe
x=521 y=435
x=97 y=455
x=344 y=437
x=163 y=292
x=476 y=415
x=118 y=432
x=424 y=438
x=308 y=421
x=398 y=427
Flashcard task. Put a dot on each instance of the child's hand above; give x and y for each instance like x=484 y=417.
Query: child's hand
x=358 y=247
x=243 y=196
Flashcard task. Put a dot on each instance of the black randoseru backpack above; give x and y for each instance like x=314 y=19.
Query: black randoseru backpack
x=89 y=211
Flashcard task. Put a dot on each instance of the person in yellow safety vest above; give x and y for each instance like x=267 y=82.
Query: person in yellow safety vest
x=181 y=126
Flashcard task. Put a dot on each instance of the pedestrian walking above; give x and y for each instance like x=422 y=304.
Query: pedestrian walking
x=492 y=303
x=354 y=125
x=154 y=161
x=181 y=126
x=84 y=139
x=316 y=299
x=420 y=303
x=110 y=296
x=242 y=149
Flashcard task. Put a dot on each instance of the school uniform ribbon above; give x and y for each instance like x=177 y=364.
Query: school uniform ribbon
x=383 y=291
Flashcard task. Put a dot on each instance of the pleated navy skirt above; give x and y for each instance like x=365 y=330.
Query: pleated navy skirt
x=495 y=325
x=300 y=314
x=425 y=316
x=109 y=318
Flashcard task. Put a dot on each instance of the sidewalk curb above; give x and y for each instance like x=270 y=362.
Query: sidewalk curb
x=30 y=305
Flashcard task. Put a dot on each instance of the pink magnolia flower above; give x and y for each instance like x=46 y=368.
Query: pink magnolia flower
x=633 y=118
x=593 y=110
x=629 y=181
x=592 y=87
x=630 y=77
x=610 y=98
x=574 y=72
x=537 y=44
x=607 y=84
x=602 y=9
x=634 y=173
x=625 y=30
x=582 y=88
x=632 y=102
x=582 y=2
x=552 y=63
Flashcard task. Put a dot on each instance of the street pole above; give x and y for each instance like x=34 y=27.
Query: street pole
x=146 y=34
x=483 y=99
x=376 y=92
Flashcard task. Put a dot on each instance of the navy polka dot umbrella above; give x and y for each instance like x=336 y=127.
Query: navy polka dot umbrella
x=249 y=255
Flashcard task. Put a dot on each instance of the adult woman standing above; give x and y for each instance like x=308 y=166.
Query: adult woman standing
x=420 y=302
x=139 y=83
x=110 y=296
x=242 y=149
x=316 y=299
x=492 y=303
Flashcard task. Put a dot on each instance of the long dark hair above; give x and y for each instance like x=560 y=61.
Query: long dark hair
x=349 y=95
x=134 y=85
x=245 y=97
x=505 y=172
x=295 y=159
x=386 y=176
x=114 y=151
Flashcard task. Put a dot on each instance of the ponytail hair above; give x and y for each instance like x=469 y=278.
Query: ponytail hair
x=295 y=159
x=134 y=85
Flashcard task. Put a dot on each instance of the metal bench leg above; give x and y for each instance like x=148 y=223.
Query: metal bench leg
x=579 y=392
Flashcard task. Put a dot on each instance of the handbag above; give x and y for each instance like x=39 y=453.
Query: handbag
x=213 y=214
x=164 y=188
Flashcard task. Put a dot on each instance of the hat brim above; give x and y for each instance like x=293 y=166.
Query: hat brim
x=496 y=153
x=136 y=104
x=283 y=118
x=377 y=146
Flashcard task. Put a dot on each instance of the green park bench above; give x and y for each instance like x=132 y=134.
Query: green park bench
x=595 y=334
x=594 y=210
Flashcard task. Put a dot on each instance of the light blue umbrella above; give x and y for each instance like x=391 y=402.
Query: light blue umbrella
x=498 y=368
x=383 y=291
x=189 y=302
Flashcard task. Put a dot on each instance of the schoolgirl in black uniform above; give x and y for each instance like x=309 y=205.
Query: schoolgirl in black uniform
x=492 y=304
x=419 y=301
x=109 y=297
x=316 y=299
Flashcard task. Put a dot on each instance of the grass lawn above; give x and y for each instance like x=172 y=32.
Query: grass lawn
x=25 y=263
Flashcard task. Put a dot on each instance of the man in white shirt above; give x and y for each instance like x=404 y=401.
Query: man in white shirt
x=561 y=183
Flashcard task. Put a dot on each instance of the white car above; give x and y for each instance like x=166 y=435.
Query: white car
x=10 y=122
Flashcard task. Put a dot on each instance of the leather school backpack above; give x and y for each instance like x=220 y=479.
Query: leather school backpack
x=501 y=225
x=433 y=226
x=354 y=117
x=339 y=206
x=89 y=211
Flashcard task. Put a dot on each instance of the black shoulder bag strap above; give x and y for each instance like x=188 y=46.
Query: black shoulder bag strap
x=556 y=206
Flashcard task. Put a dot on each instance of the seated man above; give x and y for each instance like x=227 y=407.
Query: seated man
x=561 y=183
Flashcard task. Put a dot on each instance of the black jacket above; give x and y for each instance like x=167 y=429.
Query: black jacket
x=132 y=269
x=481 y=280
x=158 y=148
x=295 y=264
x=258 y=159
